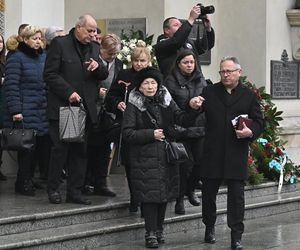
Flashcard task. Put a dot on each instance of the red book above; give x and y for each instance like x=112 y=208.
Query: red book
x=247 y=121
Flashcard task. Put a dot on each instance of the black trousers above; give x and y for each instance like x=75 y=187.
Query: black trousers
x=27 y=160
x=154 y=216
x=235 y=204
x=72 y=155
x=98 y=157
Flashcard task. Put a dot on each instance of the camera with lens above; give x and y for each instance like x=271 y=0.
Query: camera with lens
x=205 y=10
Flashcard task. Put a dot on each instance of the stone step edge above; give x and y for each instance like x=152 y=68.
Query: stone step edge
x=135 y=225
x=106 y=207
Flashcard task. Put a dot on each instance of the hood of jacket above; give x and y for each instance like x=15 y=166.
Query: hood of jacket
x=163 y=97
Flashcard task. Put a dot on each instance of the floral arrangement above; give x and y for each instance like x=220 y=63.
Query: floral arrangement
x=131 y=40
x=267 y=157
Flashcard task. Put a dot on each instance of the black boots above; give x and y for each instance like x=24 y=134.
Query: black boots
x=179 y=206
x=103 y=190
x=210 y=235
x=236 y=245
x=151 y=240
x=25 y=188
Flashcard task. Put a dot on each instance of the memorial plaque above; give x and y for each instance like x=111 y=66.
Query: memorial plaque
x=126 y=24
x=284 y=80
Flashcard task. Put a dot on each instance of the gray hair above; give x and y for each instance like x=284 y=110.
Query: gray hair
x=233 y=59
x=81 y=21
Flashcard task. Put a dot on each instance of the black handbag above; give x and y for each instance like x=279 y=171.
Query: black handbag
x=176 y=151
x=18 y=139
x=72 y=123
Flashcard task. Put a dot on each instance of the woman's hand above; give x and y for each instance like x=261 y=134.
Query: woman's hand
x=159 y=134
x=17 y=117
x=196 y=102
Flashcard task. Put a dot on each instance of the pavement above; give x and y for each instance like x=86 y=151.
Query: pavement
x=273 y=232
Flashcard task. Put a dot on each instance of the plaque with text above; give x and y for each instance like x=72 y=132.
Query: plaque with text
x=284 y=80
x=116 y=26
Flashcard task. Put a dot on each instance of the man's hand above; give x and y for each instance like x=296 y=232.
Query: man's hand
x=207 y=23
x=121 y=106
x=74 y=98
x=244 y=133
x=194 y=13
x=91 y=64
x=102 y=92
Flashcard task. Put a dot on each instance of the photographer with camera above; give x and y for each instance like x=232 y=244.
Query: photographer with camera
x=176 y=37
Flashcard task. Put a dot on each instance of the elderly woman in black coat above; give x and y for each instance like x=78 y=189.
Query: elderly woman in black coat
x=185 y=82
x=154 y=180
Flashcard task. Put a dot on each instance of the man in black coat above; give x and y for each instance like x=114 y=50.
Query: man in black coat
x=72 y=70
x=176 y=38
x=226 y=147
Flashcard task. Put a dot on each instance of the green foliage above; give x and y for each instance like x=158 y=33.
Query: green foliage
x=267 y=154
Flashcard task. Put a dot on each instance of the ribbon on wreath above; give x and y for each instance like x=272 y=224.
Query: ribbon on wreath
x=283 y=160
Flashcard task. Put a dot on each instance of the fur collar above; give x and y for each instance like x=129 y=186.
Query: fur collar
x=23 y=47
x=137 y=99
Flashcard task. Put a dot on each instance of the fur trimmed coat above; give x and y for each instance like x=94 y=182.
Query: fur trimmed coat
x=153 y=179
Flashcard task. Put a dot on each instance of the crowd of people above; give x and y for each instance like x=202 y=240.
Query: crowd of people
x=46 y=69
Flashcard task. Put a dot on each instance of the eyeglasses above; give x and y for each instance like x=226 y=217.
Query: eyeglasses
x=228 y=72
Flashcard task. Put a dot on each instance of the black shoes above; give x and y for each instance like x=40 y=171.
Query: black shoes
x=2 y=176
x=193 y=198
x=236 y=245
x=25 y=188
x=78 y=200
x=179 y=206
x=160 y=237
x=210 y=236
x=104 y=191
x=54 y=197
x=151 y=240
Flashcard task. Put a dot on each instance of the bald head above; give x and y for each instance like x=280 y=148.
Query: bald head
x=85 y=29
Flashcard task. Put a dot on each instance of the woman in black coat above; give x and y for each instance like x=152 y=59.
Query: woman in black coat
x=117 y=95
x=154 y=181
x=185 y=82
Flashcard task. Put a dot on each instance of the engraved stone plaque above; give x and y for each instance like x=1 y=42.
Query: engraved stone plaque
x=284 y=80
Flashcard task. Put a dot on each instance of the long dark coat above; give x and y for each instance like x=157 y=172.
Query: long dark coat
x=153 y=179
x=225 y=156
x=65 y=73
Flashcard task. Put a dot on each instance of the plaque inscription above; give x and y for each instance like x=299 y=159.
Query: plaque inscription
x=284 y=80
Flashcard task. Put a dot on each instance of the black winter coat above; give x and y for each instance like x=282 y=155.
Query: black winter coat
x=65 y=73
x=153 y=179
x=225 y=156
x=167 y=49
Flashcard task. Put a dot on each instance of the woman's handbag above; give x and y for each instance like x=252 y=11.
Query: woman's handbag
x=72 y=123
x=175 y=151
x=18 y=139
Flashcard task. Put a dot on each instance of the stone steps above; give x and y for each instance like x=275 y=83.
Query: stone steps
x=102 y=225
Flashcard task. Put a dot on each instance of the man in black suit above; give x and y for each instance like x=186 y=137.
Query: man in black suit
x=226 y=147
x=72 y=70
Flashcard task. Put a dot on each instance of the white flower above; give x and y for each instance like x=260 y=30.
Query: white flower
x=132 y=45
x=125 y=50
x=128 y=58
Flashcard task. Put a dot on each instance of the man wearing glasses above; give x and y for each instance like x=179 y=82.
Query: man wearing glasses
x=72 y=71
x=226 y=147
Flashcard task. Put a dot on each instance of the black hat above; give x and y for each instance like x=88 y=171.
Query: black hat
x=148 y=72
